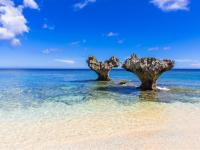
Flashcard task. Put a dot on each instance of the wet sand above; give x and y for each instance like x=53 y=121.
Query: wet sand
x=144 y=126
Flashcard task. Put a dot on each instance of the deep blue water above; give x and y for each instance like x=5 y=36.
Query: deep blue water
x=21 y=89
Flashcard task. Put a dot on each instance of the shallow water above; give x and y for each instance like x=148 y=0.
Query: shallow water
x=70 y=104
x=54 y=93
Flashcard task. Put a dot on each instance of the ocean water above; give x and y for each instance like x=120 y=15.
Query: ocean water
x=56 y=109
x=52 y=93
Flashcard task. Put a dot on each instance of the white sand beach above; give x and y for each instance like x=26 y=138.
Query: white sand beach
x=146 y=126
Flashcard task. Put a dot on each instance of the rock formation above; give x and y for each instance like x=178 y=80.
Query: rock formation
x=102 y=68
x=147 y=69
x=123 y=82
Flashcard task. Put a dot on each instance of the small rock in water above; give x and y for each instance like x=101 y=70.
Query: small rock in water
x=123 y=82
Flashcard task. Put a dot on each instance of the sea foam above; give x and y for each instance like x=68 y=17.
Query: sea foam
x=163 y=88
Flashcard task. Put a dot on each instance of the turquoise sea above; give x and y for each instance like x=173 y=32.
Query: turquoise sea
x=30 y=89
x=68 y=109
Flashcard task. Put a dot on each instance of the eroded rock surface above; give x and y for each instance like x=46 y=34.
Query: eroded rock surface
x=103 y=68
x=147 y=69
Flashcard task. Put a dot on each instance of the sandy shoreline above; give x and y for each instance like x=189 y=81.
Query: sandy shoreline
x=149 y=127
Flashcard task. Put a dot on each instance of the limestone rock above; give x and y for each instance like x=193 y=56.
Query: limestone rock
x=103 y=68
x=147 y=69
x=123 y=82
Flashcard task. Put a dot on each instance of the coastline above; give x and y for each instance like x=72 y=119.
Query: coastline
x=147 y=126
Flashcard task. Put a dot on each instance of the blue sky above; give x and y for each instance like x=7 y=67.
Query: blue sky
x=62 y=34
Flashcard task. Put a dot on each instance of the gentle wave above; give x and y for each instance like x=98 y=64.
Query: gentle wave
x=163 y=88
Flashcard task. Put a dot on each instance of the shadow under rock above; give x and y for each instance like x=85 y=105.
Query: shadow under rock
x=171 y=96
x=119 y=89
x=83 y=81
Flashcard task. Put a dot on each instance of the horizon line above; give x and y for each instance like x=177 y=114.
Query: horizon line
x=48 y=68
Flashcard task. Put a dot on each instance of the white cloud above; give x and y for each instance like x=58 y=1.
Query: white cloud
x=196 y=65
x=48 y=27
x=6 y=34
x=49 y=50
x=153 y=49
x=12 y=22
x=66 y=61
x=75 y=43
x=191 y=61
x=171 y=5
x=78 y=42
x=167 y=48
x=159 y=48
x=31 y=4
x=15 y=42
x=83 y=4
x=112 y=34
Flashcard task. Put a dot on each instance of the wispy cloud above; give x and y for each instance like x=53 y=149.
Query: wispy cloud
x=171 y=5
x=74 y=43
x=120 y=41
x=15 y=42
x=115 y=36
x=12 y=20
x=66 y=61
x=48 y=27
x=49 y=50
x=112 y=34
x=194 y=63
x=159 y=48
x=83 y=4
x=153 y=49
x=167 y=48
x=191 y=61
